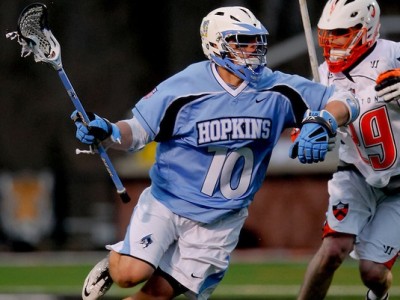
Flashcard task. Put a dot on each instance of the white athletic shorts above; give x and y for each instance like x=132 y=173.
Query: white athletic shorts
x=357 y=208
x=195 y=254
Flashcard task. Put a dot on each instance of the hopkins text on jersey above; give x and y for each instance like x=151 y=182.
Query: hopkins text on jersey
x=243 y=128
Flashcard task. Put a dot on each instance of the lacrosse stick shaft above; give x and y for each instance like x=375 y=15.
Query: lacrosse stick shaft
x=309 y=39
x=102 y=152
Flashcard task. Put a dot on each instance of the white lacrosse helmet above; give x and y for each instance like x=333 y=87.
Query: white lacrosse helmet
x=234 y=39
x=346 y=30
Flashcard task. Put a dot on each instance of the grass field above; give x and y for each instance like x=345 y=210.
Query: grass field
x=265 y=280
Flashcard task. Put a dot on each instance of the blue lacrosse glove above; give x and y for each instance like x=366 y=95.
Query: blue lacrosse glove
x=317 y=136
x=97 y=130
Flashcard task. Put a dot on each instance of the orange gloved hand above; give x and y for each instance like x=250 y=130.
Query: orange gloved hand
x=388 y=85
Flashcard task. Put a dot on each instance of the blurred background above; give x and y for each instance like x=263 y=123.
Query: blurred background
x=115 y=52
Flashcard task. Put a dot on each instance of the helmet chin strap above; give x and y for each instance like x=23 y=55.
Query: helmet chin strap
x=240 y=70
x=253 y=62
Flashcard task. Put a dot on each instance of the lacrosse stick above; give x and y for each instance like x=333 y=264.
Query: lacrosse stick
x=309 y=39
x=35 y=37
x=311 y=53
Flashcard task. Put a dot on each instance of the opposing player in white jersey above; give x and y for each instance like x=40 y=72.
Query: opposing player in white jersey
x=216 y=124
x=364 y=203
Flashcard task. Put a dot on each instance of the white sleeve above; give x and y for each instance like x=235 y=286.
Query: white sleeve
x=139 y=136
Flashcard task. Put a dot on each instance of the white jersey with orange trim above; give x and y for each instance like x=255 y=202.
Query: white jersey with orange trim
x=372 y=141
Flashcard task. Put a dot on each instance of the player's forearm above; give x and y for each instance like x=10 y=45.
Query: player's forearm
x=344 y=106
x=126 y=137
x=340 y=111
x=133 y=135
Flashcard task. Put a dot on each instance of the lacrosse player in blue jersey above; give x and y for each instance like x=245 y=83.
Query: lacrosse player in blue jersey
x=216 y=124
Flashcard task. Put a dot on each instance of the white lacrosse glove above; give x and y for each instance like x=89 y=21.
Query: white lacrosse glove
x=388 y=85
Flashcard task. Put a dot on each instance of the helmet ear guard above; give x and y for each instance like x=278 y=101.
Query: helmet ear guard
x=226 y=32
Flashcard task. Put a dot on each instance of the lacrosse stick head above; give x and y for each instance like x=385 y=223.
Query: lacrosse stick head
x=35 y=37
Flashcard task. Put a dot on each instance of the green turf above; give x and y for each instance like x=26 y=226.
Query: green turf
x=239 y=273
x=275 y=280
x=47 y=276
x=284 y=273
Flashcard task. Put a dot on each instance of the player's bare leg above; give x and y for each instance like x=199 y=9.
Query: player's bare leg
x=323 y=265
x=377 y=277
x=127 y=271
x=160 y=286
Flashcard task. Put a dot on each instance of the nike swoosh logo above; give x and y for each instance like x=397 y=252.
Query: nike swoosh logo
x=86 y=291
x=260 y=100
x=194 y=276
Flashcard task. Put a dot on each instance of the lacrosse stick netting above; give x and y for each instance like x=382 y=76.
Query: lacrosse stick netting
x=35 y=37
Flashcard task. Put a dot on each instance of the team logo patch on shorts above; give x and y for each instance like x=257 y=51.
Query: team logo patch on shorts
x=340 y=210
x=146 y=241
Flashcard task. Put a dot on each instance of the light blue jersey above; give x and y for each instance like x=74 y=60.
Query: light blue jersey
x=215 y=142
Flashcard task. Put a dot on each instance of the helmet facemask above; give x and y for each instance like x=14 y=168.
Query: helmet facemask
x=245 y=54
x=342 y=47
